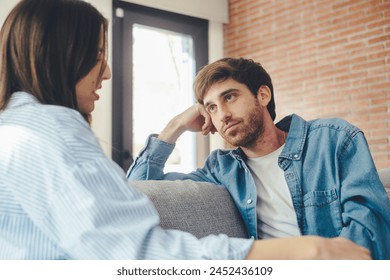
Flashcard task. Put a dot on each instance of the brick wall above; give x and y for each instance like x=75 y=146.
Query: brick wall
x=327 y=58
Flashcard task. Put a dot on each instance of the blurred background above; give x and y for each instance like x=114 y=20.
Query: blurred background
x=327 y=58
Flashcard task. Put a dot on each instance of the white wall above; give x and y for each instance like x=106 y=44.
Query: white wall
x=6 y=7
x=216 y=11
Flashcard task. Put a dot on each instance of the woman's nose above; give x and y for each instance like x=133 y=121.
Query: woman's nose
x=107 y=73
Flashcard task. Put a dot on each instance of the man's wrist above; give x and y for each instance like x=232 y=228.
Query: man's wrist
x=158 y=149
x=171 y=132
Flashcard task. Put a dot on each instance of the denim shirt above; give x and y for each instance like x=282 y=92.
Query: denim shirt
x=334 y=185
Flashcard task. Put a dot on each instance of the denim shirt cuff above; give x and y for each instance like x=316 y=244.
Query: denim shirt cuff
x=157 y=149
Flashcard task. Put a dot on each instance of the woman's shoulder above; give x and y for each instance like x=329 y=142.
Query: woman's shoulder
x=71 y=127
x=25 y=110
x=53 y=124
x=65 y=117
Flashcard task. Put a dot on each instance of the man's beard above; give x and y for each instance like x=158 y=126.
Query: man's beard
x=249 y=132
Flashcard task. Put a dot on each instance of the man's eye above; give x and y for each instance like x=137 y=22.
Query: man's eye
x=228 y=97
x=211 y=108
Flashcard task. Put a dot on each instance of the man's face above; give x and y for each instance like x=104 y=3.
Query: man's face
x=235 y=112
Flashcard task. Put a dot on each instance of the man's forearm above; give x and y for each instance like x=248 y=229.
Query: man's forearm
x=150 y=163
x=171 y=132
x=193 y=119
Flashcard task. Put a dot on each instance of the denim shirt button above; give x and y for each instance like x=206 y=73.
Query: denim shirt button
x=249 y=201
x=296 y=156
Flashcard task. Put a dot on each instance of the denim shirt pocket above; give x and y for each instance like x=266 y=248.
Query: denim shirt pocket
x=322 y=213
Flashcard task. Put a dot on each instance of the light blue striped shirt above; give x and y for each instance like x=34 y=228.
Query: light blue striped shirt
x=62 y=198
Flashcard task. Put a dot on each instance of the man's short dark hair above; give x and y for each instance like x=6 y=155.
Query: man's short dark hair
x=242 y=70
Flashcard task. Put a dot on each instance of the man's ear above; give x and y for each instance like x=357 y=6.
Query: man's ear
x=264 y=95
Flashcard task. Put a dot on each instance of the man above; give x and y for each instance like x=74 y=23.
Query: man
x=289 y=179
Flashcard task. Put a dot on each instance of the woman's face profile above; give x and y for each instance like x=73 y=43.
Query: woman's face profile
x=86 y=88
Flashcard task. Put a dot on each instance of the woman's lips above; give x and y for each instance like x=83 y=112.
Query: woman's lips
x=97 y=96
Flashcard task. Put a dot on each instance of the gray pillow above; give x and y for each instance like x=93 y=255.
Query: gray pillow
x=197 y=207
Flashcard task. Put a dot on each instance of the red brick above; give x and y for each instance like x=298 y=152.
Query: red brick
x=327 y=58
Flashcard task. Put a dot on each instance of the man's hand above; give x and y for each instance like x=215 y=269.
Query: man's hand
x=194 y=119
x=308 y=247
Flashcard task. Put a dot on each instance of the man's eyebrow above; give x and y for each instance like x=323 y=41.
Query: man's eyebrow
x=222 y=94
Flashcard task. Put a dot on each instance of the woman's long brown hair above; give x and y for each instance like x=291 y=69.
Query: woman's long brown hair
x=46 y=47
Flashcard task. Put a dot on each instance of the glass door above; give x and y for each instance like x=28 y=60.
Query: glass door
x=155 y=59
x=162 y=88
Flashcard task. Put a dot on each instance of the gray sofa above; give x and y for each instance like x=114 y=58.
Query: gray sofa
x=202 y=208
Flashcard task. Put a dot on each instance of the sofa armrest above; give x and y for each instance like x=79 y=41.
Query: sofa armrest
x=197 y=207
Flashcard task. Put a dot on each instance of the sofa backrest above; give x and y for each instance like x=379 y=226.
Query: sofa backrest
x=202 y=208
x=197 y=207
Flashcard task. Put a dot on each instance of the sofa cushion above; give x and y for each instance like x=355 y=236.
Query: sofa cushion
x=197 y=207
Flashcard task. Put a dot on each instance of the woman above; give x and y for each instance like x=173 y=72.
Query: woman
x=60 y=196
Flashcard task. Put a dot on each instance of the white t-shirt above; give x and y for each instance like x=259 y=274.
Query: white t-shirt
x=275 y=213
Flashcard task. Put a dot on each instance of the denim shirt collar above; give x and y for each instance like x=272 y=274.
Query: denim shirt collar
x=297 y=129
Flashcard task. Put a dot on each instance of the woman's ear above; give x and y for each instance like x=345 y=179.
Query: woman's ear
x=264 y=95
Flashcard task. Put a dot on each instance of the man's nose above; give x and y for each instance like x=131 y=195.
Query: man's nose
x=225 y=114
